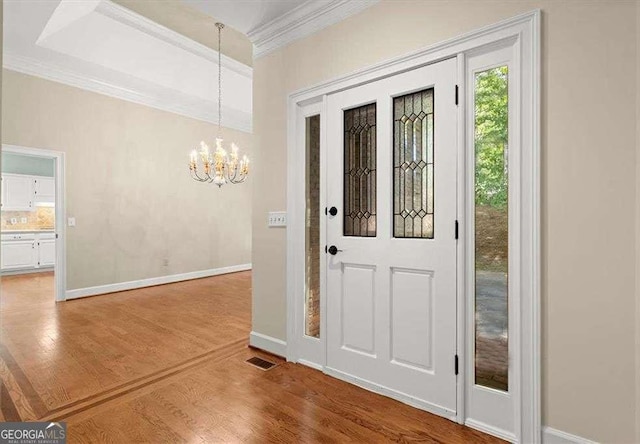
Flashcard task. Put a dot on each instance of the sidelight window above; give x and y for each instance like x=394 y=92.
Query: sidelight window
x=312 y=227
x=491 y=228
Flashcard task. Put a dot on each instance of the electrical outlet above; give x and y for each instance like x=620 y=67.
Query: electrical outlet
x=14 y=220
x=277 y=219
x=23 y=220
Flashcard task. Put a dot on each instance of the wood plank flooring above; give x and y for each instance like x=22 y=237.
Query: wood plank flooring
x=168 y=364
x=26 y=291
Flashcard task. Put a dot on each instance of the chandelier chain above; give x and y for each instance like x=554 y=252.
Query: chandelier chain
x=219 y=26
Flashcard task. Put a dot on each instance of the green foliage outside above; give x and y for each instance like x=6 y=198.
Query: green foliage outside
x=491 y=189
x=491 y=137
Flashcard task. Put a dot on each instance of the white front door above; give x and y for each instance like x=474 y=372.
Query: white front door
x=391 y=262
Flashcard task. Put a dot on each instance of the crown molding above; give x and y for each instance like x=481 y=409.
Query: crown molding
x=164 y=99
x=308 y=18
x=141 y=23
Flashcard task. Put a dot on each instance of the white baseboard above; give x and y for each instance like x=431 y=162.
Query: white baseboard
x=268 y=343
x=554 y=436
x=27 y=271
x=491 y=430
x=310 y=364
x=132 y=285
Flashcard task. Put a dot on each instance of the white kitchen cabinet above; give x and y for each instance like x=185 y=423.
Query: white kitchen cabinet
x=44 y=189
x=18 y=254
x=46 y=252
x=17 y=192
x=28 y=251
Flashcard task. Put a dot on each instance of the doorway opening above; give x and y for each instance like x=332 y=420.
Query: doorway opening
x=32 y=227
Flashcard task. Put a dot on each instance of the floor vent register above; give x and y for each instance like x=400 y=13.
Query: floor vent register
x=261 y=363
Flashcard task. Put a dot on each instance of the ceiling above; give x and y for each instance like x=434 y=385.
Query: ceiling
x=102 y=47
x=247 y=15
x=272 y=24
x=105 y=47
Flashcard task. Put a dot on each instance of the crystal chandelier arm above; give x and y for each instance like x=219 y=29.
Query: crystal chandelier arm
x=228 y=174
x=196 y=176
x=234 y=178
x=236 y=181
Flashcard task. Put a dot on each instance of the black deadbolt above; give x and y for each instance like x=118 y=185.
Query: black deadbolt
x=333 y=250
x=333 y=211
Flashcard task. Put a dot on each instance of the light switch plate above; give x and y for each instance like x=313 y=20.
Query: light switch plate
x=72 y=222
x=277 y=219
x=23 y=220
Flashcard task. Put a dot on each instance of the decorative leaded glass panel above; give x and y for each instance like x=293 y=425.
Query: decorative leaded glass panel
x=360 y=171
x=413 y=165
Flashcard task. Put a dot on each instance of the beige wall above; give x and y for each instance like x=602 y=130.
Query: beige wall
x=1 y=82
x=588 y=190
x=637 y=222
x=128 y=184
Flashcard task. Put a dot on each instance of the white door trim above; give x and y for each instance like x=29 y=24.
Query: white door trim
x=61 y=256
x=524 y=30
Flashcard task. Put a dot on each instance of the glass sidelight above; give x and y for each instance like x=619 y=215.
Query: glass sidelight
x=312 y=227
x=491 y=110
x=360 y=171
x=413 y=165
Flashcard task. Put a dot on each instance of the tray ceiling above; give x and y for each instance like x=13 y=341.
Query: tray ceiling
x=106 y=48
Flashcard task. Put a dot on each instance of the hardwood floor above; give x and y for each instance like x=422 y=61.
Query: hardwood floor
x=26 y=291
x=168 y=364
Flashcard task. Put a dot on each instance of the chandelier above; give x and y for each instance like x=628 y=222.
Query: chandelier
x=218 y=167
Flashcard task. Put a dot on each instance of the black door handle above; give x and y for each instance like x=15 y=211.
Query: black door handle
x=333 y=250
x=333 y=211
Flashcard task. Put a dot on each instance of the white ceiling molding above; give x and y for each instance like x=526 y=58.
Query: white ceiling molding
x=306 y=19
x=150 y=27
x=111 y=50
x=162 y=99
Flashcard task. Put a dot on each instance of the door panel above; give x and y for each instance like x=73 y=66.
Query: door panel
x=412 y=318
x=391 y=284
x=358 y=308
